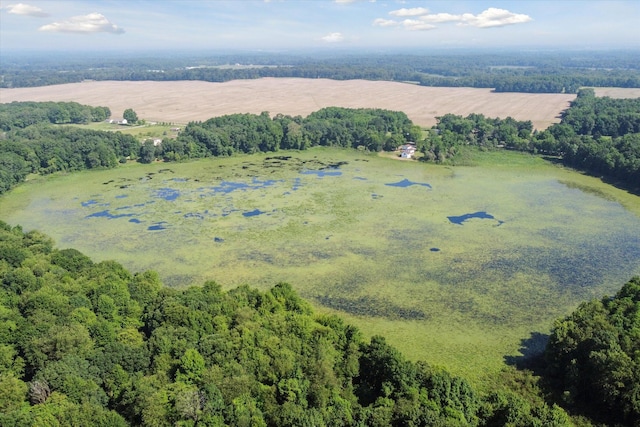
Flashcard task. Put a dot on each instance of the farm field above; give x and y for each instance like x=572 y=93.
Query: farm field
x=184 y=101
x=454 y=265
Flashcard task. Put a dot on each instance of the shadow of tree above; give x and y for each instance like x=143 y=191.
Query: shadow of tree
x=531 y=353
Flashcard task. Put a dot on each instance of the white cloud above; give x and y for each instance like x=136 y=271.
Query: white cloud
x=25 y=9
x=494 y=17
x=417 y=25
x=441 y=17
x=91 y=23
x=420 y=19
x=416 y=11
x=333 y=38
x=380 y=22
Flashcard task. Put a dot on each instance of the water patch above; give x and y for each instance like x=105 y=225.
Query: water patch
x=108 y=215
x=375 y=196
x=168 y=194
x=321 y=173
x=227 y=187
x=193 y=215
x=435 y=249
x=122 y=196
x=254 y=212
x=480 y=215
x=92 y=202
x=218 y=239
x=297 y=183
x=158 y=226
x=135 y=220
x=360 y=178
x=406 y=183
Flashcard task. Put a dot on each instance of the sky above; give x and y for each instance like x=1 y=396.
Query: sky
x=288 y=25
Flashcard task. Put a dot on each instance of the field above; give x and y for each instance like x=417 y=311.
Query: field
x=184 y=101
x=456 y=266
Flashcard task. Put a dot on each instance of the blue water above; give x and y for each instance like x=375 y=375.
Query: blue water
x=435 y=249
x=297 y=183
x=168 y=194
x=194 y=215
x=254 y=212
x=93 y=202
x=108 y=215
x=227 y=187
x=135 y=220
x=218 y=239
x=157 y=226
x=406 y=183
x=462 y=218
x=321 y=173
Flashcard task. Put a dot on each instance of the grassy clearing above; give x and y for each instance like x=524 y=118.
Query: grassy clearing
x=385 y=257
x=144 y=131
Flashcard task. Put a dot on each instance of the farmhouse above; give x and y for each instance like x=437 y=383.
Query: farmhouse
x=407 y=150
x=117 y=121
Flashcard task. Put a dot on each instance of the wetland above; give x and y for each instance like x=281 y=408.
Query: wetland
x=454 y=265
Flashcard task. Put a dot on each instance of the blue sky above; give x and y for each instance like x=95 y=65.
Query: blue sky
x=280 y=25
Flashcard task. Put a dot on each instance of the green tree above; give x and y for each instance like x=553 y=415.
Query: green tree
x=130 y=116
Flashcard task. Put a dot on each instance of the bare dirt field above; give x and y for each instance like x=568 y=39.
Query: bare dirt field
x=618 y=92
x=184 y=101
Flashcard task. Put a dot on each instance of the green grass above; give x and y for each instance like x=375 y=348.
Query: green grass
x=353 y=245
x=143 y=131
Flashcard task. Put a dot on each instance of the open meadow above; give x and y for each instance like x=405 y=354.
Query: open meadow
x=454 y=265
x=184 y=101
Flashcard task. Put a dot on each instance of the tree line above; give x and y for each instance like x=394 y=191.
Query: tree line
x=536 y=72
x=599 y=135
x=45 y=149
x=33 y=145
x=86 y=343
x=19 y=115
x=368 y=129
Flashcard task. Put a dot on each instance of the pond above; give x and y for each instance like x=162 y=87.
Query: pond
x=453 y=265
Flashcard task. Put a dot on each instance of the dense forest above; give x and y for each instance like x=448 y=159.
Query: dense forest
x=19 y=115
x=593 y=357
x=369 y=129
x=43 y=148
x=84 y=343
x=598 y=135
x=534 y=72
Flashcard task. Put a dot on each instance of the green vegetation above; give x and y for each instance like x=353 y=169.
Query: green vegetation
x=42 y=148
x=353 y=245
x=84 y=343
x=537 y=72
x=19 y=115
x=45 y=149
x=593 y=357
x=598 y=135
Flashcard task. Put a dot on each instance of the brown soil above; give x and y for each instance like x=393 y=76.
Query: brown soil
x=184 y=101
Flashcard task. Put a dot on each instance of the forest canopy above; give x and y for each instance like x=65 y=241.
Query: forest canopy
x=86 y=343
x=533 y=72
